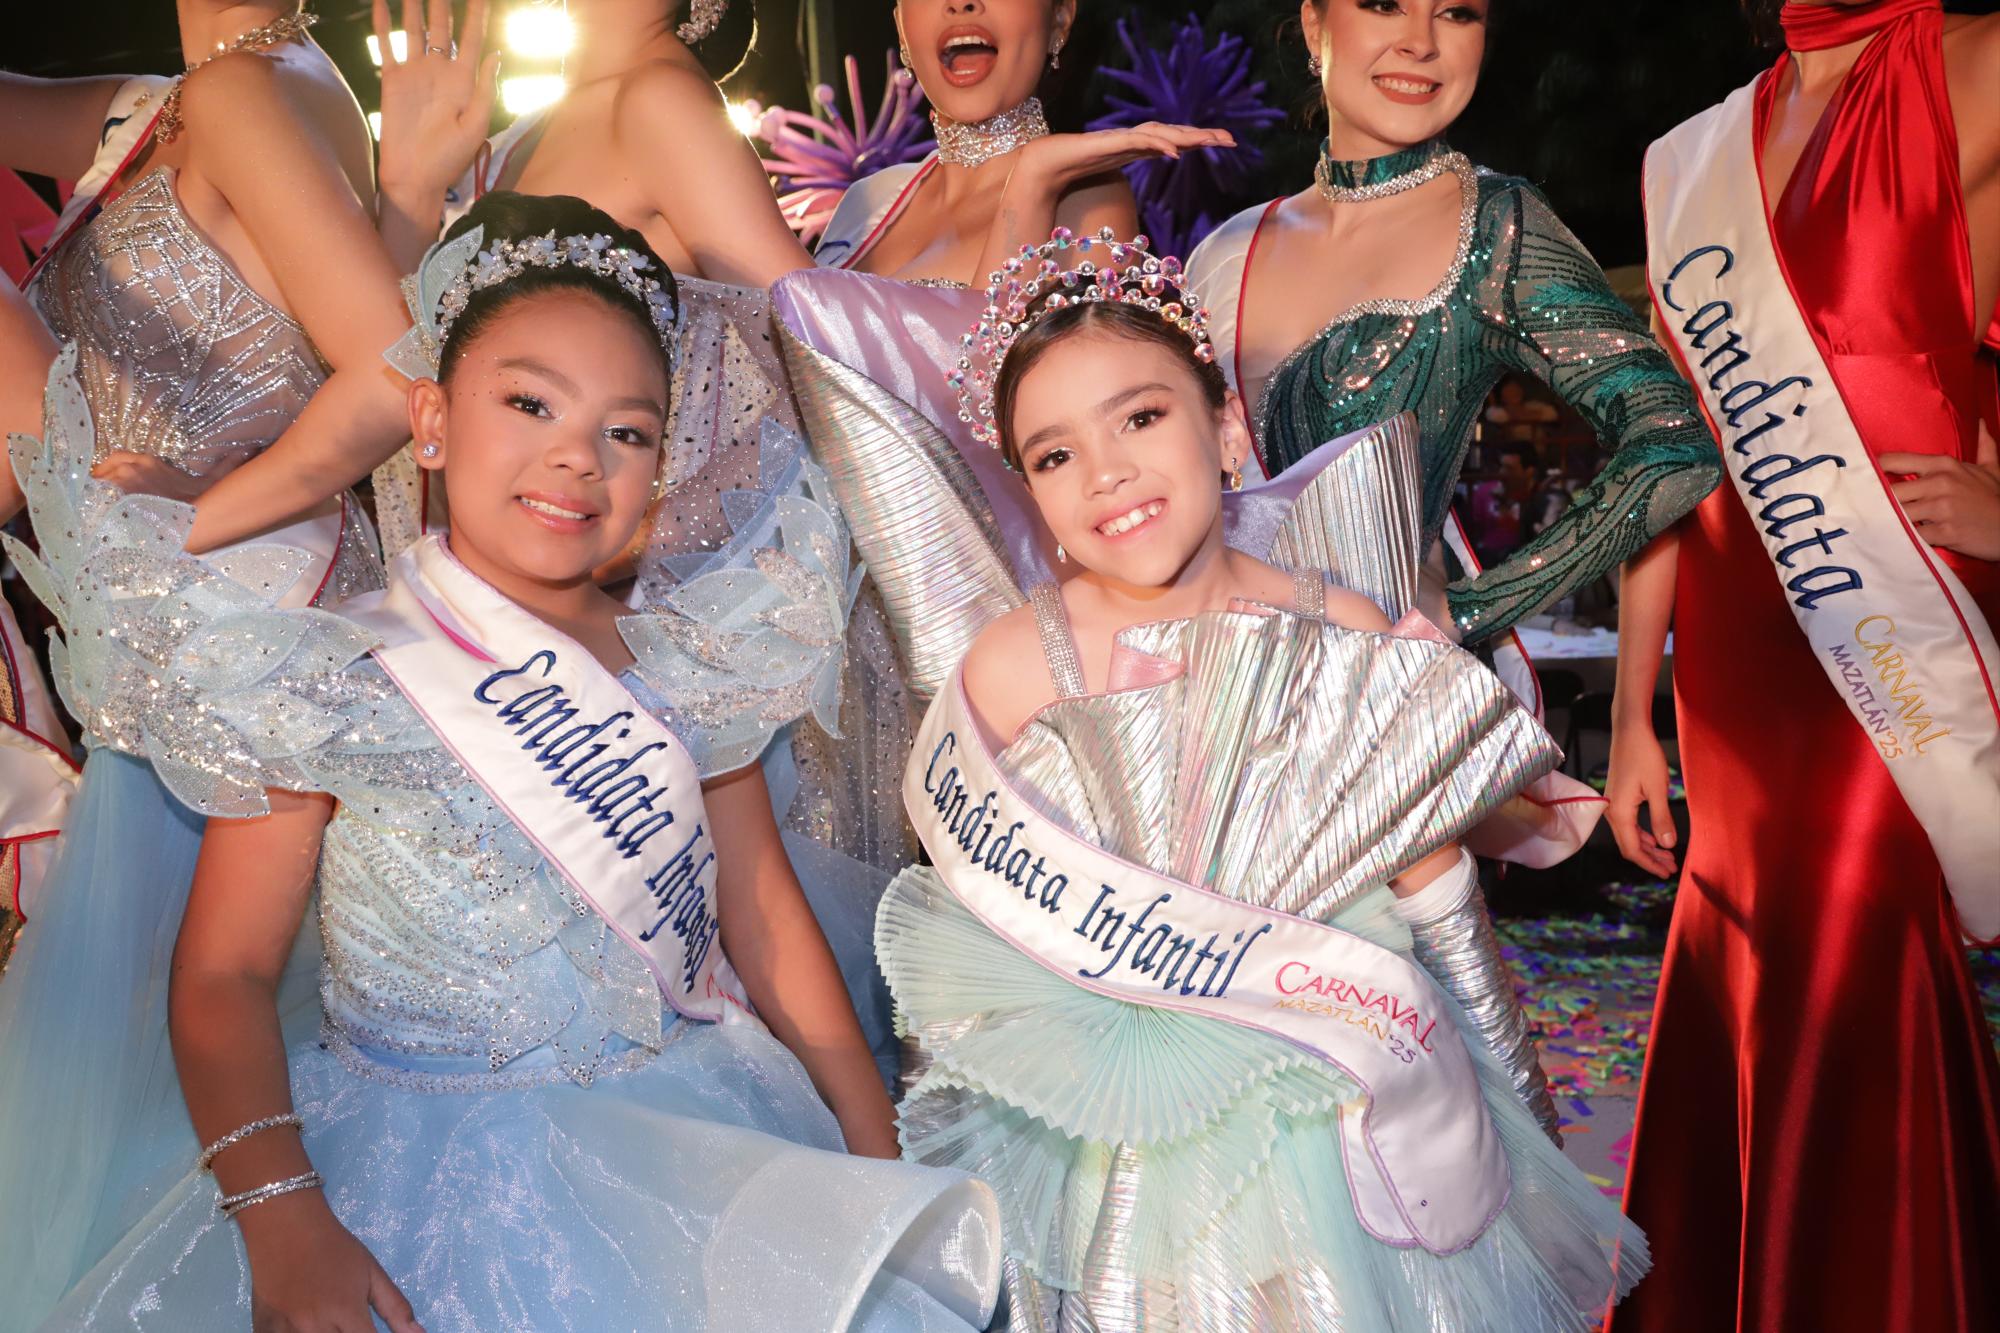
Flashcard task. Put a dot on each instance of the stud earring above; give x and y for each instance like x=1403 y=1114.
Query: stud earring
x=1062 y=556
x=430 y=451
x=1312 y=64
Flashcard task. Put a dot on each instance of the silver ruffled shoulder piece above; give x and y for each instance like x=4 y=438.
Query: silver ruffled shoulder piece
x=921 y=520
x=751 y=636
x=1287 y=763
x=188 y=662
x=949 y=560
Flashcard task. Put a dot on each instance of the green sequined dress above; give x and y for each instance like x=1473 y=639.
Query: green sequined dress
x=1521 y=295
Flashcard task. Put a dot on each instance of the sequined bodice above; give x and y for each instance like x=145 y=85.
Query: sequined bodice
x=1521 y=295
x=179 y=357
x=454 y=958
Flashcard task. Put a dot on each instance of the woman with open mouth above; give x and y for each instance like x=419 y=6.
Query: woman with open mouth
x=999 y=178
x=1407 y=278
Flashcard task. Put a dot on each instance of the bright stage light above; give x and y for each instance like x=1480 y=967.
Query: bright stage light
x=747 y=117
x=375 y=124
x=539 y=30
x=530 y=92
x=399 y=46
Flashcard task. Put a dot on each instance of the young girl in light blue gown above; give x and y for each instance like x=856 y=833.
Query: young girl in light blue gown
x=546 y=877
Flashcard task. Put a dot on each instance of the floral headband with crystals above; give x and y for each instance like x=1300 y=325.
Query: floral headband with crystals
x=1038 y=282
x=438 y=292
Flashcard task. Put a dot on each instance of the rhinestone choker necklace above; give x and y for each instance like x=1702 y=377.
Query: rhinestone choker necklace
x=964 y=145
x=1378 y=178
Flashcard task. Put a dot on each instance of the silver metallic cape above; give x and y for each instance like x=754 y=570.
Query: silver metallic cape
x=939 y=551
x=919 y=516
x=1360 y=518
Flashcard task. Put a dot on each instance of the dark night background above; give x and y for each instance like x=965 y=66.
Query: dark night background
x=1573 y=89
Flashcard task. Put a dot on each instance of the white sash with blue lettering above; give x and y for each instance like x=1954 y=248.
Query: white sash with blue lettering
x=1423 y=1160
x=1897 y=633
x=604 y=789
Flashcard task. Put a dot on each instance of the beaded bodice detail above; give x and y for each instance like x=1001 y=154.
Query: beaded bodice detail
x=455 y=959
x=178 y=356
x=1522 y=295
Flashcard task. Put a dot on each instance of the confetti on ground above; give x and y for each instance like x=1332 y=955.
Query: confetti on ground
x=1588 y=982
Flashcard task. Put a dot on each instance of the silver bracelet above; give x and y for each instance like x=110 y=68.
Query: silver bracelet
x=229 y=1205
x=236 y=1136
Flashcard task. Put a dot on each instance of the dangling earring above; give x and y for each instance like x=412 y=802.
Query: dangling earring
x=1055 y=56
x=1235 y=476
x=1312 y=64
x=1062 y=556
x=903 y=54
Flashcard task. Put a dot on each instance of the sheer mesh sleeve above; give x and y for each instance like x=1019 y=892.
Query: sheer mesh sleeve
x=751 y=637
x=1552 y=314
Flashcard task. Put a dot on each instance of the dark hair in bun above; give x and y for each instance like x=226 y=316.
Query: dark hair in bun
x=507 y=216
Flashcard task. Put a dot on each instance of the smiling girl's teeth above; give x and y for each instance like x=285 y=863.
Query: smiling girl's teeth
x=1124 y=523
x=544 y=507
x=1406 y=85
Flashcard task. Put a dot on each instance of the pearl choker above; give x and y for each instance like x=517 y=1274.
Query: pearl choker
x=964 y=145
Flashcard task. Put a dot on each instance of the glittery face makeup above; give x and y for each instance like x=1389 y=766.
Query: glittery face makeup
x=549 y=432
x=978 y=58
x=1394 y=72
x=1123 y=455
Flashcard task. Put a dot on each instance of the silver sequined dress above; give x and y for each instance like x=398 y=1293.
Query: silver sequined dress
x=178 y=357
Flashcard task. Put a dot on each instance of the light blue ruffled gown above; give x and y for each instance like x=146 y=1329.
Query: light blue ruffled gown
x=504 y=1110
x=180 y=358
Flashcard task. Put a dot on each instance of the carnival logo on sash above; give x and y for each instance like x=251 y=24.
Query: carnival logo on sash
x=1424 y=1163
x=1894 y=630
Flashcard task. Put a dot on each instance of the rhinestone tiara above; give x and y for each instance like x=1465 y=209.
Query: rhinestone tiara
x=502 y=260
x=443 y=285
x=1041 y=280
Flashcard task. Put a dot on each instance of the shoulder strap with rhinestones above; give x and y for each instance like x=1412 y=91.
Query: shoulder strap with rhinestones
x=1058 y=644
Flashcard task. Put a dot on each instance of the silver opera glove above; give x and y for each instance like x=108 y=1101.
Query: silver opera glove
x=1454 y=940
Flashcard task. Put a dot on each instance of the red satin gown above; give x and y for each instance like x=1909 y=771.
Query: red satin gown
x=1818 y=1143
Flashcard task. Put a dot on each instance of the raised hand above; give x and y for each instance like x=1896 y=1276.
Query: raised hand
x=1954 y=504
x=1056 y=161
x=145 y=474
x=438 y=99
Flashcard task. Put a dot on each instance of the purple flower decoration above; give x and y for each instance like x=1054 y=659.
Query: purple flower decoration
x=815 y=157
x=1189 y=83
